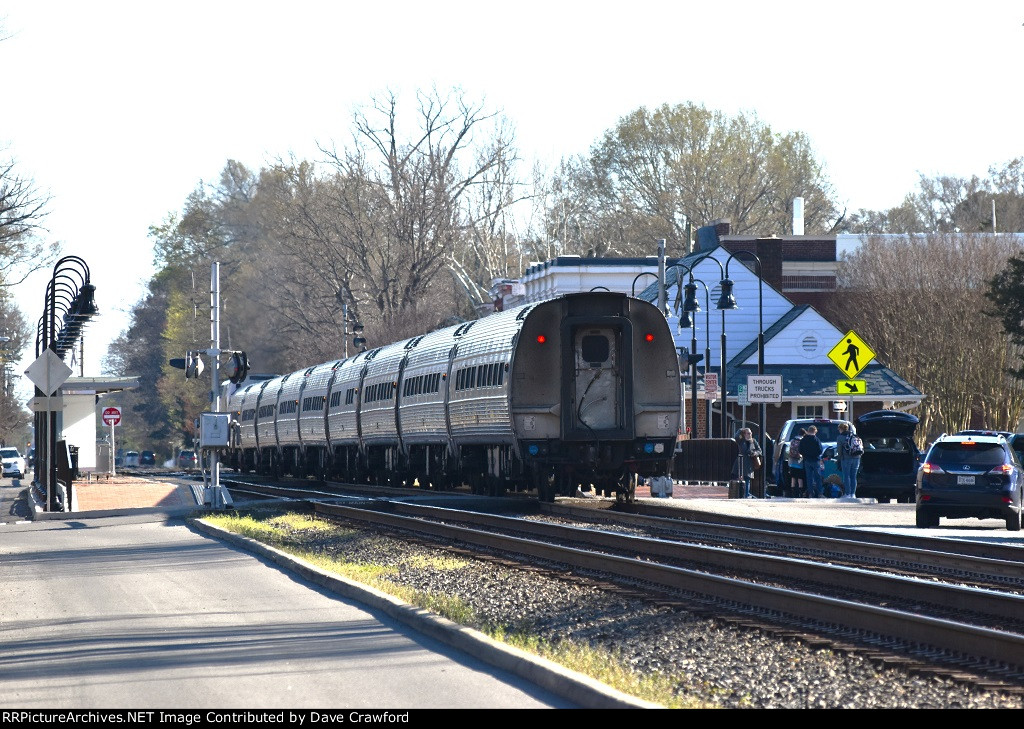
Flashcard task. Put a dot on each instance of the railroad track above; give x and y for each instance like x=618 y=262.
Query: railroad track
x=931 y=618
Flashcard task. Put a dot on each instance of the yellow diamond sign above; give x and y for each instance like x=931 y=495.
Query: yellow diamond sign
x=851 y=355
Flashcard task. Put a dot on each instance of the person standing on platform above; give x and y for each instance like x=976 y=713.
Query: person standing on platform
x=811 y=450
x=849 y=450
x=745 y=466
x=796 y=466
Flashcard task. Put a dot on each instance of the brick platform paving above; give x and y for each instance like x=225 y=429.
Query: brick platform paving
x=129 y=492
x=132 y=492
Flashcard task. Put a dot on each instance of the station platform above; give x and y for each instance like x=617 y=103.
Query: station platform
x=126 y=492
x=105 y=495
x=138 y=492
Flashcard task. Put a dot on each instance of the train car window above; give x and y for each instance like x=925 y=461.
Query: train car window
x=350 y=395
x=335 y=399
x=471 y=377
x=492 y=374
x=594 y=349
x=501 y=374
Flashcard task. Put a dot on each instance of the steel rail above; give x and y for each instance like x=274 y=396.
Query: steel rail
x=961 y=640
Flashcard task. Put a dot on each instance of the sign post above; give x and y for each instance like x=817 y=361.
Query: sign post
x=112 y=417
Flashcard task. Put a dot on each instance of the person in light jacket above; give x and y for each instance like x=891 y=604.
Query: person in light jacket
x=849 y=464
x=744 y=468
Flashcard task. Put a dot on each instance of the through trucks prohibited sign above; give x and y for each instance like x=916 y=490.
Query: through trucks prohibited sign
x=764 y=388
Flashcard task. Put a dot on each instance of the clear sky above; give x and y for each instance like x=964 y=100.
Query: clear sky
x=119 y=109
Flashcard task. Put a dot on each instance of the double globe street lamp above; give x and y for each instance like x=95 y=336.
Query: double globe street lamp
x=728 y=301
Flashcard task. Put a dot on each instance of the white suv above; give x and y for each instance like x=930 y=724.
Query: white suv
x=14 y=464
x=828 y=432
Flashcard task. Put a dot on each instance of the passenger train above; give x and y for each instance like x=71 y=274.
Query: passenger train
x=582 y=390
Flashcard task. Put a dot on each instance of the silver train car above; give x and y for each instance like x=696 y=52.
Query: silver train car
x=578 y=391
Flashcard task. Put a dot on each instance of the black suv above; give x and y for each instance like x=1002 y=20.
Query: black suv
x=888 y=468
x=970 y=476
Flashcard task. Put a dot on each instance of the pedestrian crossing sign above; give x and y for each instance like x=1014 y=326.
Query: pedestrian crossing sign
x=851 y=387
x=851 y=355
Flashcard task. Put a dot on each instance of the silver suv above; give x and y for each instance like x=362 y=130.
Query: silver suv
x=828 y=434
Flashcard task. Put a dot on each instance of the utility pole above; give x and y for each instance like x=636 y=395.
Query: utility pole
x=217 y=498
x=344 y=318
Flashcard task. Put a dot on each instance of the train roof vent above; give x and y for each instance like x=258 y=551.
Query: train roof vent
x=414 y=341
x=464 y=328
x=372 y=354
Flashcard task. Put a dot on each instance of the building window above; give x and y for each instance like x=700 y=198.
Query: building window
x=810 y=411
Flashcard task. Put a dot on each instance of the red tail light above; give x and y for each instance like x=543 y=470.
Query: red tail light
x=1002 y=468
x=930 y=468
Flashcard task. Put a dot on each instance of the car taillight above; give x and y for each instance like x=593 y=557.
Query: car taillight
x=1002 y=469
x=927 y=467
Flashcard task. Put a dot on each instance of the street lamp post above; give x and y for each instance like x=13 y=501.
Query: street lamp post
x=637 y=278
x=691 y=305
x=71 y=294
x=729 y=302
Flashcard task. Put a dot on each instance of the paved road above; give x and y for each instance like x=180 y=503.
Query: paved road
x=14 y=505
x=144 y=612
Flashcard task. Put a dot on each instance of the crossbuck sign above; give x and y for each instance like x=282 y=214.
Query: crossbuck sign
x=764 y=388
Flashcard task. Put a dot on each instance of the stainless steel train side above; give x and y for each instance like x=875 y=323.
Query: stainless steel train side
x=578 y=391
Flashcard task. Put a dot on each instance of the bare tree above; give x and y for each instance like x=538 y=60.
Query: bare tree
x=409 y=202
x=920 y=301
x=660 y=169
x=22 y=210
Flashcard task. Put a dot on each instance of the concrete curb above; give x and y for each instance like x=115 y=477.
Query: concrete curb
x=582 y=690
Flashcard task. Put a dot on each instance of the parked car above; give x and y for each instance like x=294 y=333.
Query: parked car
x=147 y=458
x=131 y=459
x=187 y=460
x=14 y=464
x=828 y=433
x=970 y=476
x=888 y=468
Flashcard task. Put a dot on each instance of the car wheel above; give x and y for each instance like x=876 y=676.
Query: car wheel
x=1013 y=522
x=924 y=520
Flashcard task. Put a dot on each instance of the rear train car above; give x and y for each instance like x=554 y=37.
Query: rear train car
x=578 y=391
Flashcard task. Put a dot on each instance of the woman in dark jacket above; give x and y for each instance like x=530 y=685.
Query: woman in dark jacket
x=744 y=469
x=811 y=450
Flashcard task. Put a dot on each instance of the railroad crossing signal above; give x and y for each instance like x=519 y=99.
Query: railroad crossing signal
x=851 y=354
x=851 y=387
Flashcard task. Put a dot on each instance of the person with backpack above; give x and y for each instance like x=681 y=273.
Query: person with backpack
x=849 y=449
x=796 y=467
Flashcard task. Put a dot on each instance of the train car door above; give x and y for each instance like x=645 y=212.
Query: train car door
x=597 y=386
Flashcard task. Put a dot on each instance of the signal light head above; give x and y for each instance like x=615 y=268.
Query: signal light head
x=648 y=337
x=541 y=339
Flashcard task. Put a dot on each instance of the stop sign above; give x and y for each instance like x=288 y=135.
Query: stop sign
x=111 y=416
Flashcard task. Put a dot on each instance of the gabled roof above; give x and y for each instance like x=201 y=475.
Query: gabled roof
x=818 y=382
x=791 y=316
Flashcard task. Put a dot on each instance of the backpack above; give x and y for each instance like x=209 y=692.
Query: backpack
x=794 y=450
x=855 y=446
